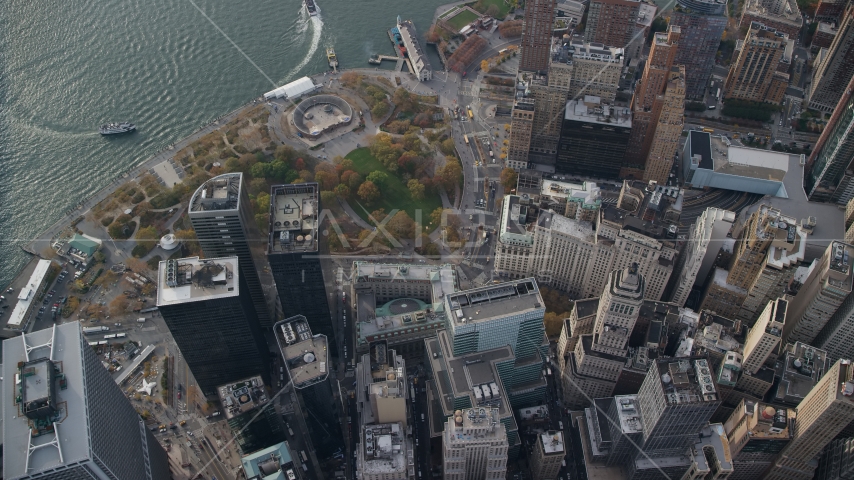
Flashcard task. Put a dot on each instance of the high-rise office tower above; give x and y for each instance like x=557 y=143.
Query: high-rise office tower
x=521 y=128
x=676 y=399
x=612 y=22
x=702 y=23
x=648 y=100
x=837 y=336
x=384 y=453
x=381 y=388
x=494 y=317
x=549 y=102
x=596 y=70
x=763 y=339
x=64 y=417
x=212 y=320
x=549 y=453
x=706 y=236
x=252 y=419
x=594 y=138
x=829 y=172
x=830 y=11
x=834 y=73
x=757 y=433
x=827 y=409
x=668 y=129
x=828 y=284
x=225 y=226
x=837 y=461
x=508 y=313
x=754 y=68
x=596 y=363
x=474 y=445
x=306 y=359
x=537 y=30
x=766 y=230
x=293 y=252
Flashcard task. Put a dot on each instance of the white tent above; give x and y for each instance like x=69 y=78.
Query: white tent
x=294 y=89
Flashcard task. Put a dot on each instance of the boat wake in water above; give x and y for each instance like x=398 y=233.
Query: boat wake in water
x=316 y=24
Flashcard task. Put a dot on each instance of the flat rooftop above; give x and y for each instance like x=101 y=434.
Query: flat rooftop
x=553 y=442
x=483 y=304
x=193 y=279
x=219 y=193
x=442 y=278
x=276 y=458
x=305 y=355
x=748 y=162
x=240 y=397
x=628 y=413
x=800 y=369
x=294 y=210
x=829 y=224
x=687 y=380
x=712 y=436
x=594 y=470
x=591 y=109
x=63 y=346
x=587 y=192
x=384 y=449
x=568 y=226
x=27 y=295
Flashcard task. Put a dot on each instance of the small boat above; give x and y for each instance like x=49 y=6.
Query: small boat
x=374 y=60
x=116 y=128
x=333 y=60
x=310 y=7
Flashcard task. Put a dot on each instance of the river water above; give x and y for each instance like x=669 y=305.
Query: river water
x=68 y=66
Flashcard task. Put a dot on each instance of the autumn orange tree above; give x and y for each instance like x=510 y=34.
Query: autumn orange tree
x=467 y=52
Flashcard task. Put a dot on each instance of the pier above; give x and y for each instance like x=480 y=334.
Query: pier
x=378 y=59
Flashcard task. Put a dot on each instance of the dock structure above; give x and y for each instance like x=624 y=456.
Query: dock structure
x=399 y=61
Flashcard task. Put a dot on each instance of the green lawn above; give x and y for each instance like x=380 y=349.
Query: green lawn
x=395 y=195
x=503 y=8
x=462 y=19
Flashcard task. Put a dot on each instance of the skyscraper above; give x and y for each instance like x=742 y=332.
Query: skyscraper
x=706 y=236
x=676 y=399
x=763 y=340
x=64 y=417
x=612 y=22
x=252 y=419
x=475 y=445
x=827 y=409
x=306 y=359
x=647 y=102
x=825 y=288
x=225 y=226
x=668 y=129
x=754 y=68
x=549 y=453
x=829 y=172
x=212 y=320
x=293 y=252
x=834 y=73
x=594 y=138
x=521 y=129
x=537 y=30
x=702 y=23
x=596 y=363
x=757 y=433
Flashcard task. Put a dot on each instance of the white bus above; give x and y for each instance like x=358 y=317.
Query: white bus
x=121 y=335
x=108 y=337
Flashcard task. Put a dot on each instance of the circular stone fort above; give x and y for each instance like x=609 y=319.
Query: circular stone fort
x=320 y=114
